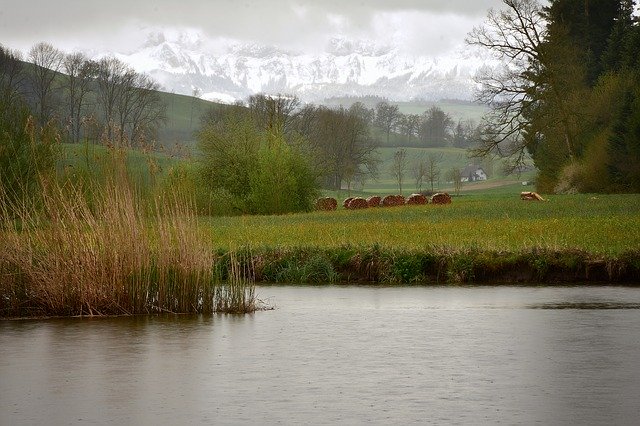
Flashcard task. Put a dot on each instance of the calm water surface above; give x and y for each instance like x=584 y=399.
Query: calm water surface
x=346 y=355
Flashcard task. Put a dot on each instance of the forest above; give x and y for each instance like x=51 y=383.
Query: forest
x=569 y=92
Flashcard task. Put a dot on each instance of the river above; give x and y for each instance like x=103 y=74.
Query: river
x=338 y=355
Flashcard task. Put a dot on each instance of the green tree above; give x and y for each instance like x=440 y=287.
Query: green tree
x=262 y=169
x=435 y=130
x=27 y=156
x=282 y=180
x=587 y=25
x=229 y=150
x=387 y=117
x=623 y=164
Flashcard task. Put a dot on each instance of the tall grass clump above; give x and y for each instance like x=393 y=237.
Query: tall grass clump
x=237 y=294
x=111 y=253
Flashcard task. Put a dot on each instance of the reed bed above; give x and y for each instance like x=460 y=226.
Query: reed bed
x=110 y=253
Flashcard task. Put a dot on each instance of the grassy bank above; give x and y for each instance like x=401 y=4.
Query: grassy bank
x=490 y=238
x=441 y=266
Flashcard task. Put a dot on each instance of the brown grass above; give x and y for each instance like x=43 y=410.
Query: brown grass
x=111 y=253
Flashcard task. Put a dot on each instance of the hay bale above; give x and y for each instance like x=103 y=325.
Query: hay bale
x=441 y=198
x=374 y=201
x=346 y=202
x=392 y=201
x=530 y=196
x=417 y=199
x=326 y=204
x=358 y=203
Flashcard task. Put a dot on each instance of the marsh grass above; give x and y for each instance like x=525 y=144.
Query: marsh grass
x=236 y=295
x=102 y=248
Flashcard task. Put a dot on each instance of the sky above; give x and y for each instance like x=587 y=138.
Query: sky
x=420 y=27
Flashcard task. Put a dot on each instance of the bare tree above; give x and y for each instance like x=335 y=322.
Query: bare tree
x=360 y=109
x=432 y=169
x=455 y=176
x=418 y=170
x=77 y=79
x=12 y=75
x=344 y=148
x=409 y=125
x=130 y=102
x=195 y=94
x=47 y=60
x=515 y=36
x=148 y=111
x=399 y=166
x=110 y=77
x=435 y=127
x=274 y=113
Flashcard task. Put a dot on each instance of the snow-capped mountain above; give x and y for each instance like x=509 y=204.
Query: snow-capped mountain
x=185 y=62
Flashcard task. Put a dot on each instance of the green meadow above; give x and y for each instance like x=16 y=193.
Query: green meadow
x=500 y=221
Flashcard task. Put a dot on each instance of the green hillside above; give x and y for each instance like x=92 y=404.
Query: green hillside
x=184 y=115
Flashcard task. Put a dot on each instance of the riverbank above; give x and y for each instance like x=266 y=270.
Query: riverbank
x=440 y=266
x=113 y=258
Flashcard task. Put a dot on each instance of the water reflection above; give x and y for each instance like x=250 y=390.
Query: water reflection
x=338 y=355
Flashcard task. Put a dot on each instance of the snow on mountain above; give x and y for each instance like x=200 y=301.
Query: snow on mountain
x=185 y=62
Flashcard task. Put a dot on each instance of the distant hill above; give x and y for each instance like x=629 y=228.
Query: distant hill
x=183 y=114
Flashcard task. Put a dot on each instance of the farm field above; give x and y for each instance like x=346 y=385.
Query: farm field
x=493 y=221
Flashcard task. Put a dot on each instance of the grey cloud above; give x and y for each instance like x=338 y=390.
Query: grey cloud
x=291 y=23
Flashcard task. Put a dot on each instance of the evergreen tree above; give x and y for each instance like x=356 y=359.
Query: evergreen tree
x=623 y=165
x=587 y=25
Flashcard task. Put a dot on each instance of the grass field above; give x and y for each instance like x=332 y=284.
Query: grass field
x=601 y=224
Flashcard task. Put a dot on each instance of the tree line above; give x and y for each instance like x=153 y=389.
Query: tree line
x=569 y=93
x=82 y=97
x=432 y=129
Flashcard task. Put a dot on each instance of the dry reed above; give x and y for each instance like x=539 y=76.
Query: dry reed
x=112 y=253
x=237 y=294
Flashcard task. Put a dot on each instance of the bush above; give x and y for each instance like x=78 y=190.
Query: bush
x=263 y=172
x=282 y=181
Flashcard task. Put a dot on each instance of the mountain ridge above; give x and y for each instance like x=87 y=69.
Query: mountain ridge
x=186 y=62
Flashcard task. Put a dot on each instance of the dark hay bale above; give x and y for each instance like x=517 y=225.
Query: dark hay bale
x=392 y=201
x=326 y=204
x=441 y=198
x=417 y=199
x=374 y=201
x=346 y=202
x=358 y=203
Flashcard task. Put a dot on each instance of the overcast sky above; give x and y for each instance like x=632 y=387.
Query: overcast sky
x=422 y=27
